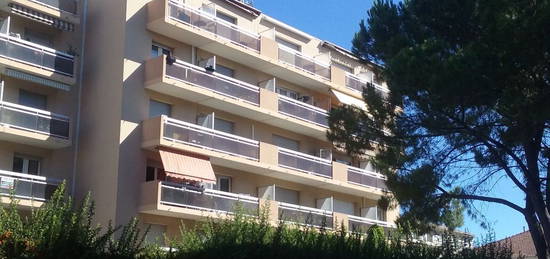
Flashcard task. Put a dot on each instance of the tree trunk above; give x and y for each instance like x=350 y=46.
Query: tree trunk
x=535 y=231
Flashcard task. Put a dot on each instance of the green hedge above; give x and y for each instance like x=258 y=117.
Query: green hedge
x=60 y=230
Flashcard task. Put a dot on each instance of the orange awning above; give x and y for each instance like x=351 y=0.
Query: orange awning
x=187 y=167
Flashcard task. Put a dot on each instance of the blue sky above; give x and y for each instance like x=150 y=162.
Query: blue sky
x=337 y=21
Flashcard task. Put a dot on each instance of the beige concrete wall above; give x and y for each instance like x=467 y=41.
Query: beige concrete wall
x=101 y=108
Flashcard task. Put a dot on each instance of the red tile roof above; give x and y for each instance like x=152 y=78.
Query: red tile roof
x=521 y=242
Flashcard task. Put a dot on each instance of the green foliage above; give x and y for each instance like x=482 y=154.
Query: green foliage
x=469 y=85
x=58 y=230
x=243 y=237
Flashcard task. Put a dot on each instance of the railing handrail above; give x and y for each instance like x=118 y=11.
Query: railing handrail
x=53 y=7
x=291 y=206
x=303 y=104
x=365 y=172
x=370 y=221
x=377 y=86
x=36 y=178
x=202 y=70
x=305 y=156
x=298 y=53
x=214 y=18
x=41 y=48
x=34 y=111
x=209 y=131
x=217 y=193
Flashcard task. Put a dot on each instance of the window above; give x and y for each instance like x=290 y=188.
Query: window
x=288 y=44
x=223 y=183
x=287 y=195
x=159 y=50
x=205 y=120
x=381 y=214
x=288 y=93
x=26 y=164
x=154 y=173
x=29 y=99
x=286 y=143
x=225 y=70
x=226 y=17
x=157 y=108
x=343 y=207
x=343 y=67
x=38 y=38
x=155 y=235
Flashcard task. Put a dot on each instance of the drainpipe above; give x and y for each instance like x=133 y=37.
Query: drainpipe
x=84 y=20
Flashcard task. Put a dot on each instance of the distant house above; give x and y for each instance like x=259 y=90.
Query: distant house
x=521 y=243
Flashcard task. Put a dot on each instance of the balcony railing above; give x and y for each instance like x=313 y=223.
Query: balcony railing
x=26 y=186
x=305 y=163
x=210 y=23
x=362 y=225
x=305 y=215
x=213 y=81
x=191 y=134
x=207 y=200
x=34 y=120
x=303 y=111
x=357 y=84
x=36 y=55
x=366 y=178
x=63 y=5
x=302 y=62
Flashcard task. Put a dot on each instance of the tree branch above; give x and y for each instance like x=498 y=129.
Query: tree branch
x=483 y=198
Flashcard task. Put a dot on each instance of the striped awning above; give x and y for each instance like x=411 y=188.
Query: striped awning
x=187 y=166
x=43 y=18
x=36 y=79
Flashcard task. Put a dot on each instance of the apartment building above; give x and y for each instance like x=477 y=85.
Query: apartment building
x=40 y=45
x=188 y=109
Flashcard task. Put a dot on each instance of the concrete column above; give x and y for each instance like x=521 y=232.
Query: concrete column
x=271 y=210
x=269 y=100
x=340 y=220
x=339 y=172
x=269 y=154
x=338 y=76
x=269 y=48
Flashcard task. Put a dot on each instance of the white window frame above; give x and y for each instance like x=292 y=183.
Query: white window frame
x=26 y=159
x=226 y=17
x=288 y=44
x=218 y=182
x=157 y=101
x=161 y=47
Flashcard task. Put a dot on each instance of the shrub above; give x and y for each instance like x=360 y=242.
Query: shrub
x=58 y=230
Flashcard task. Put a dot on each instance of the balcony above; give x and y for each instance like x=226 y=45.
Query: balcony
x=366 y=178
x=305 y=163
x=29 y=190
x=305 y=216
x=32 y=126
x=357 y=84
x=194 y=135
x=303 y=111
x=65 y=10
x=304 y=63
x=220 y=28
x=181 y=201
x=239 y=153
x=207 y=200
x=36 y=59
x=195 y=84
x=362 y=224
x=215 y=82
x=201 y=29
